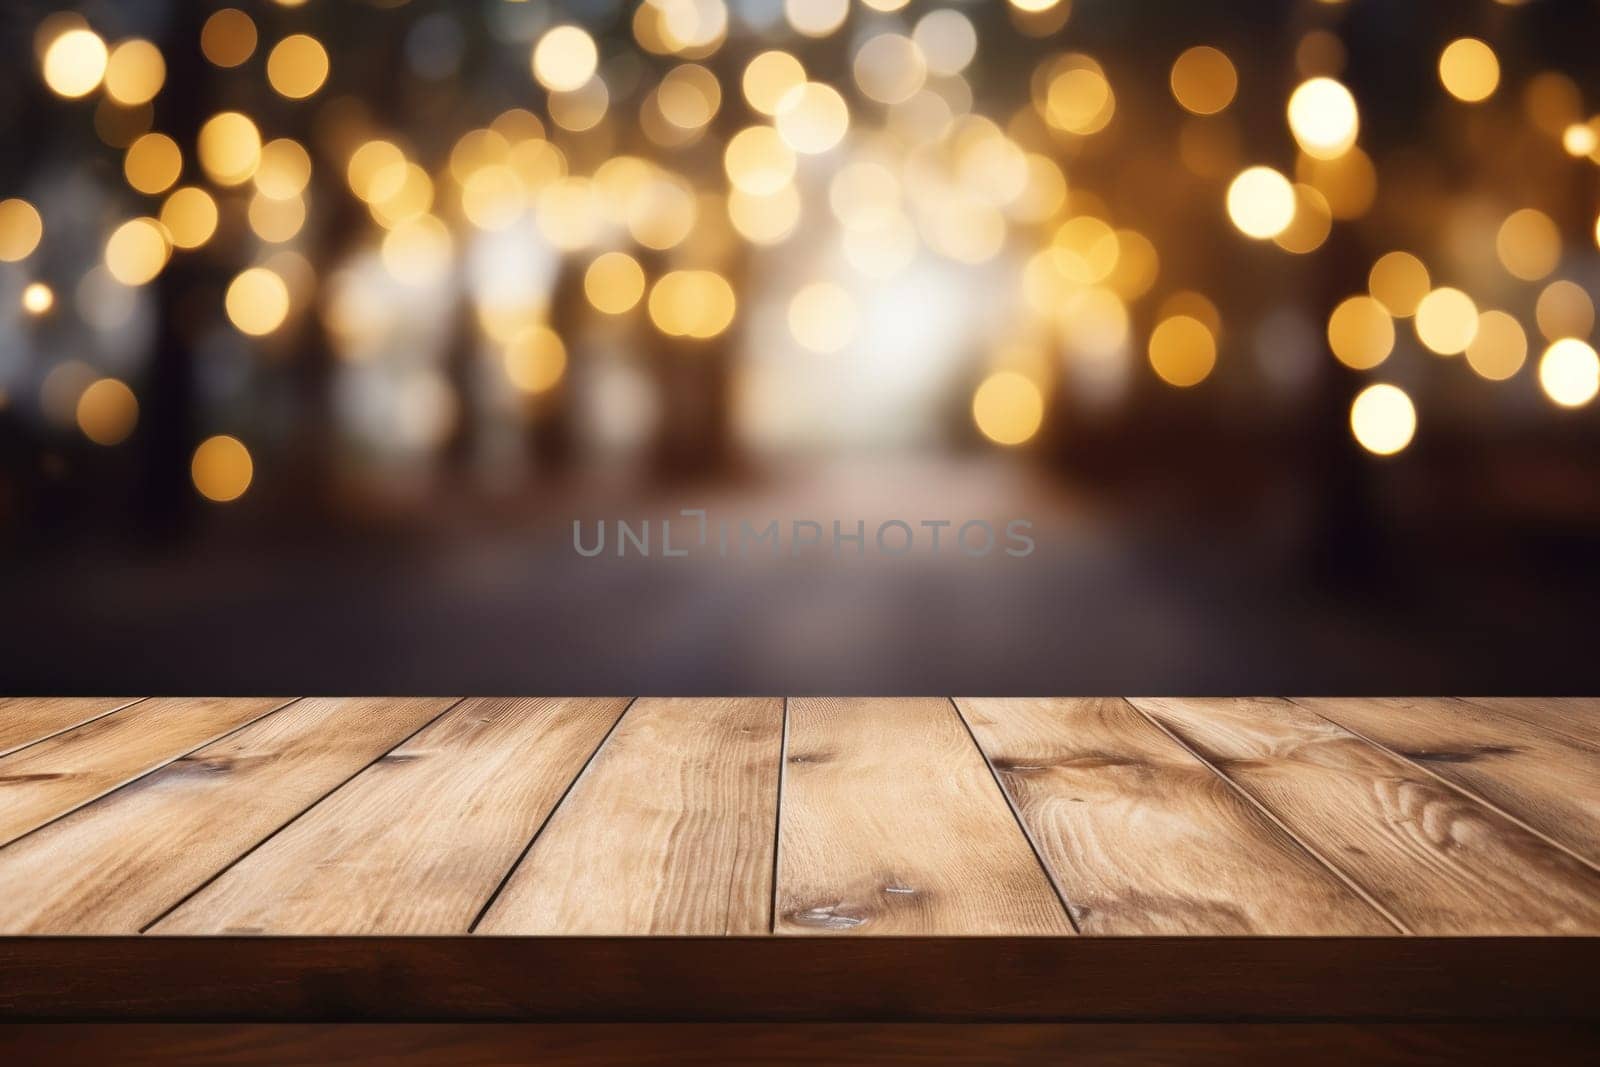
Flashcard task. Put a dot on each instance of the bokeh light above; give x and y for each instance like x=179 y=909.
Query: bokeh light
x=1383 y=419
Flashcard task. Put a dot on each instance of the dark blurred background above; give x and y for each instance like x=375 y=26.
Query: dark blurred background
x=308 y=398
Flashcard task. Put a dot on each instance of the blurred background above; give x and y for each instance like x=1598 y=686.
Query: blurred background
x=322 y=321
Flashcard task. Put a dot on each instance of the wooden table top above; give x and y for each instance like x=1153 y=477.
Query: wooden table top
x=926 y=817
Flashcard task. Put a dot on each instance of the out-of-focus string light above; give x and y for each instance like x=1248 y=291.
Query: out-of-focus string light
x=697 y=304
x=1564 y=309
x=297 y=66
x=1323 y=118
x=257 y=302
x=153 y=163
x=107 y=412
x=1182 y=351
x=1469 y=70
x=221 y=469
x=189 y=216
x=1360 y=333
x=21 y=229
x=822 y=317
x=614 y=283
x=1528 y=244
x=135 y=72
x=38 y=298
x=769 y=77
x=1500 y=347
x=1383 y=419
x=228 y=38
x=1569 y=373
x=1204 y=80
x=137 y=251
x=230 y=148
x=75 y=63
x=1008 y=408
x=1261 y=203
x=812 y=118
x=1446 y=321
x=536 y=360
x=1399 y=280
x=565 y=58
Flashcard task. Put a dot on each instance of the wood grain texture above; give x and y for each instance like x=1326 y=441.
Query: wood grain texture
x=60 y=773
x=1143 y=838
x=24 y=720
x=669 y=831
x=836 y=1044
x=117 y=864
x=1577 y=717
x=418 y=842
x=1438 y=861
x=1548 y=780
x=891 y=823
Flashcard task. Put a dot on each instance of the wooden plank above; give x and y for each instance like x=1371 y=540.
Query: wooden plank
x=741 y=1044
x=891 y=823
x=1143 y=838
x=1548 y=780
x=670 y=831
x=796 y=979
x=1437 y=860
x=49 y=779
x=1577 y=717
x=417 y=843
x=117 y=864
x=24 y=720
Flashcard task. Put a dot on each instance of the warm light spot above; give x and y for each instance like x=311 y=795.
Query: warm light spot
x=947 y=41
x=812 y=118
x=1311 y=225
x=614 y=283
x=565 y=58
x=376 y=170
x=568 y=213
x=190 y=216
x=1579 y=139
x=75 y=63
x=583 y=108
x=1349 y=182
x=1182 y=351
x=1078 y=97
x=20 y=230
x=418 y=251
x=1196 y=306
x=536 y=359
x=816 y=18
x=1469 y=70
x=107 y=412
x=1204 y=80
x=1500 y=347
x=135 y=72
x=257 y=302
x=153 y=164
x=1564 y=310
x=1447 y=321
x=38 y=298
x=1261 y=203
x=1569 y=373
x=889 y=68
x=230 y=148
x=1399 y=280
x=1360 y=333
x=1383 y=419
x=137 y=251
x=221 y=469
x=758 y=160
x=822 y=317
x=692 y=303
x=1085 y=250
x=285 y=169
x=298 y=66
x=1008 y=408
x=689 y=96
x=1529 y=245
x=276 y=221
x=769 y=77
x=765 y=220
x=228 y=37
x=1324 y=118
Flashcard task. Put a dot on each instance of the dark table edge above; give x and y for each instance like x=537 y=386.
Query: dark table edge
x=780 y=979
